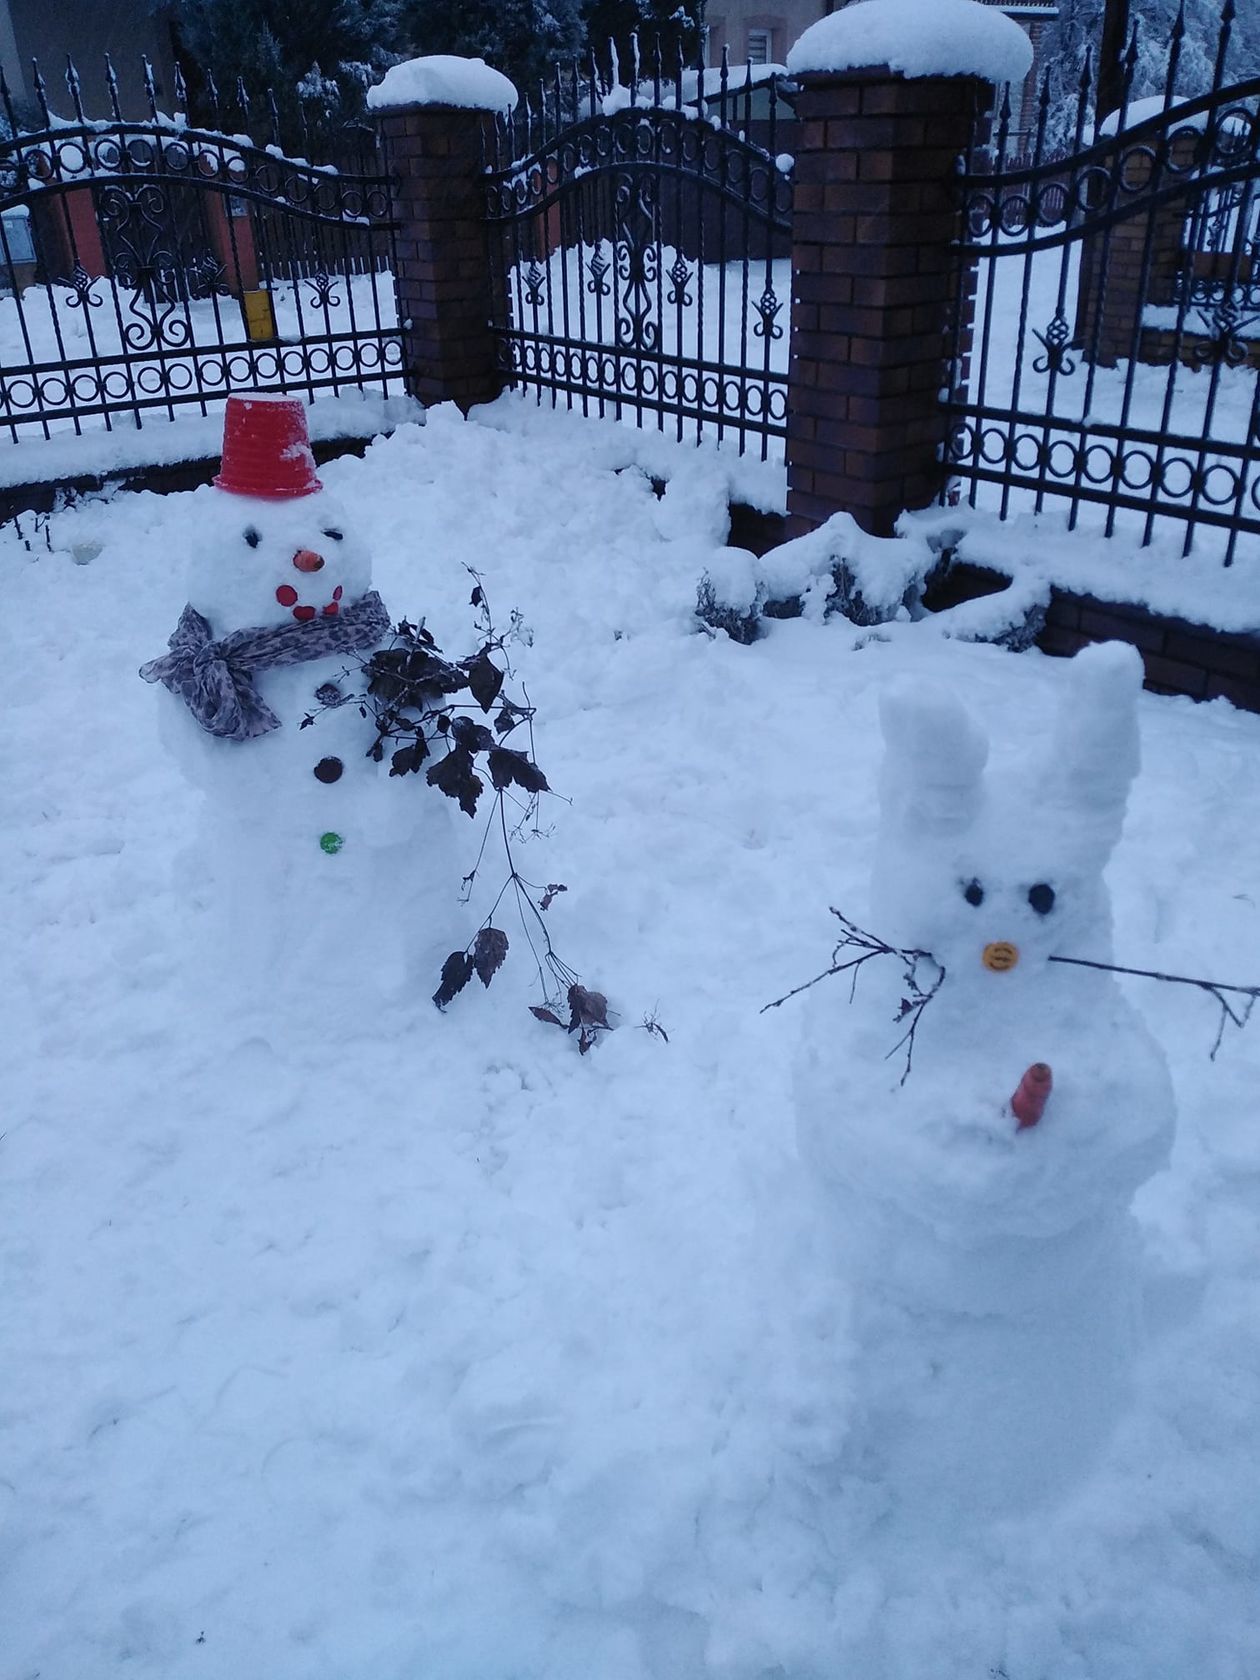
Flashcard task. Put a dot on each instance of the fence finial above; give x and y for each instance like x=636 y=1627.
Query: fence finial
x=1174 y=54
x=150 y=87
x=72 y=87
x=111 y=83
x=41 y=92
x=6 y=99
x=1228 y=13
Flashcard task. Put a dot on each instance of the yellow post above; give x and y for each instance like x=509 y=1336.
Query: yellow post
x=260 y=316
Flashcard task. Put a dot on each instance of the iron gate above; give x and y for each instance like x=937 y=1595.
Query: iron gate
x=168 y=265
x=641 y=239
x=1117 y=316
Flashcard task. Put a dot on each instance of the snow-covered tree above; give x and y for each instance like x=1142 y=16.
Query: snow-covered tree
x=1078 y=30
x=664 y=25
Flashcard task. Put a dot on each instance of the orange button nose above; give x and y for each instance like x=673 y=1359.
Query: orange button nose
x=1000 y=956
x=306 y=560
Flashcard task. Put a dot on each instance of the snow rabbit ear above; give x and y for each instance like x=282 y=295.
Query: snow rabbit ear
x=934 y=759
x=1095 y=752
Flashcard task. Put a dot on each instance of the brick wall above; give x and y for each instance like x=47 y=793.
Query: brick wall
x=1179 y=657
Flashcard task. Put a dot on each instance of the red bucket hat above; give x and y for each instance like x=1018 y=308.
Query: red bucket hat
x=266 y=449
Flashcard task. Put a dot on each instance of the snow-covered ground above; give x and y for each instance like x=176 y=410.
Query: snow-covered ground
x=429 y=1347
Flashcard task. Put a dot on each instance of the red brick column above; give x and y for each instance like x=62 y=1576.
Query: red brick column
x=874 y=284
x=445 y=279
x=1138 y=260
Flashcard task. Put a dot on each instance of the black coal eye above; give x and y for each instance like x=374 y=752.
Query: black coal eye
x=1041 y=897
x=252 y=537
x=335 y=535
x=973 y=892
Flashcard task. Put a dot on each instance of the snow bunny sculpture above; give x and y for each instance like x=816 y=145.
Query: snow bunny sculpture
x=994 y=1261
x=311 y=856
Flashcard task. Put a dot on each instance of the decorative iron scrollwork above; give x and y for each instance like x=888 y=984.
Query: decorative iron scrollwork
x=322 y=293
x=767 y=307
x=1223 y=341
x=1055 y=343
x=80 y=283
x=598 y=266
x=679 y=275
x=638 y=259
x=535 y=284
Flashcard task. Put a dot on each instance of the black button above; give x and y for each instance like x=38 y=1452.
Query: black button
x=329 y=769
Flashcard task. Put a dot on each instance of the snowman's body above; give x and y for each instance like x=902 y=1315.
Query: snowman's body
x=994 y=1267
x=315 y=865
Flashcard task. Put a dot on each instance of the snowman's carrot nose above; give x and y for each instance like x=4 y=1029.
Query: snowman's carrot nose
x=1029 y=1102
x=306 y=560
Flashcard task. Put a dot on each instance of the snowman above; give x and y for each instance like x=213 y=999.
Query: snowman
x=980 y=1202
x=315 y=865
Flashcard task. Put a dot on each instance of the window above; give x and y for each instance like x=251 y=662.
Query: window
x=759 y=46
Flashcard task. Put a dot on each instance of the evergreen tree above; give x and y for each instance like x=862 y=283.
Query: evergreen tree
x=315 y=56
x=523 y=38
x=664 y=26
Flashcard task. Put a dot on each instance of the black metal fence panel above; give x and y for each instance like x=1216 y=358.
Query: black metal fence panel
x=151 y=267
x=642 y=239
x=1116 y=342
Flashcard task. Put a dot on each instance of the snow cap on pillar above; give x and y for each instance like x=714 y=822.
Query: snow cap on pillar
x=465 y=84
x=266 y=449
x=947 y=38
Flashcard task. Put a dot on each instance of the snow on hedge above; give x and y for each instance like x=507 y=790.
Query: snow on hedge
x=951 y=38
x=442 y=79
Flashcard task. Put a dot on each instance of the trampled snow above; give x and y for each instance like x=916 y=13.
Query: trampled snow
x=443 y=79
x=409 y=1343
x=916 y=38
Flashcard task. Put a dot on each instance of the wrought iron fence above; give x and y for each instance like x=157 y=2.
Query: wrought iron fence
x=641 y=235
x=151 y=266
x=1117 y=315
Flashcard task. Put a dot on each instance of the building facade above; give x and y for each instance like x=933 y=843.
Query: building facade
x=748 y=32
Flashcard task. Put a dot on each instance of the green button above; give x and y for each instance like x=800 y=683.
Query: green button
x=330 y=843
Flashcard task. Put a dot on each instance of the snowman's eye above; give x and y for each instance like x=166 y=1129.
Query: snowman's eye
x=251 y=536
x=973 y=892
x=1041 y=897
x=334 y=534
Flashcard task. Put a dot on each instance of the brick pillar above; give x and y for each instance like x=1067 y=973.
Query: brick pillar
x=445 y=279
x=1115 y=282
x=874 y=289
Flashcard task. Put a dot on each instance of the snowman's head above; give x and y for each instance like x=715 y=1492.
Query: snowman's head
x=273 y=562
x=994 y=875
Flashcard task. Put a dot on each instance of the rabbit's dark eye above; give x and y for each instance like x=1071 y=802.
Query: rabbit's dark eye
x=1041 y=897
x=251 y=536
x=973 y=892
